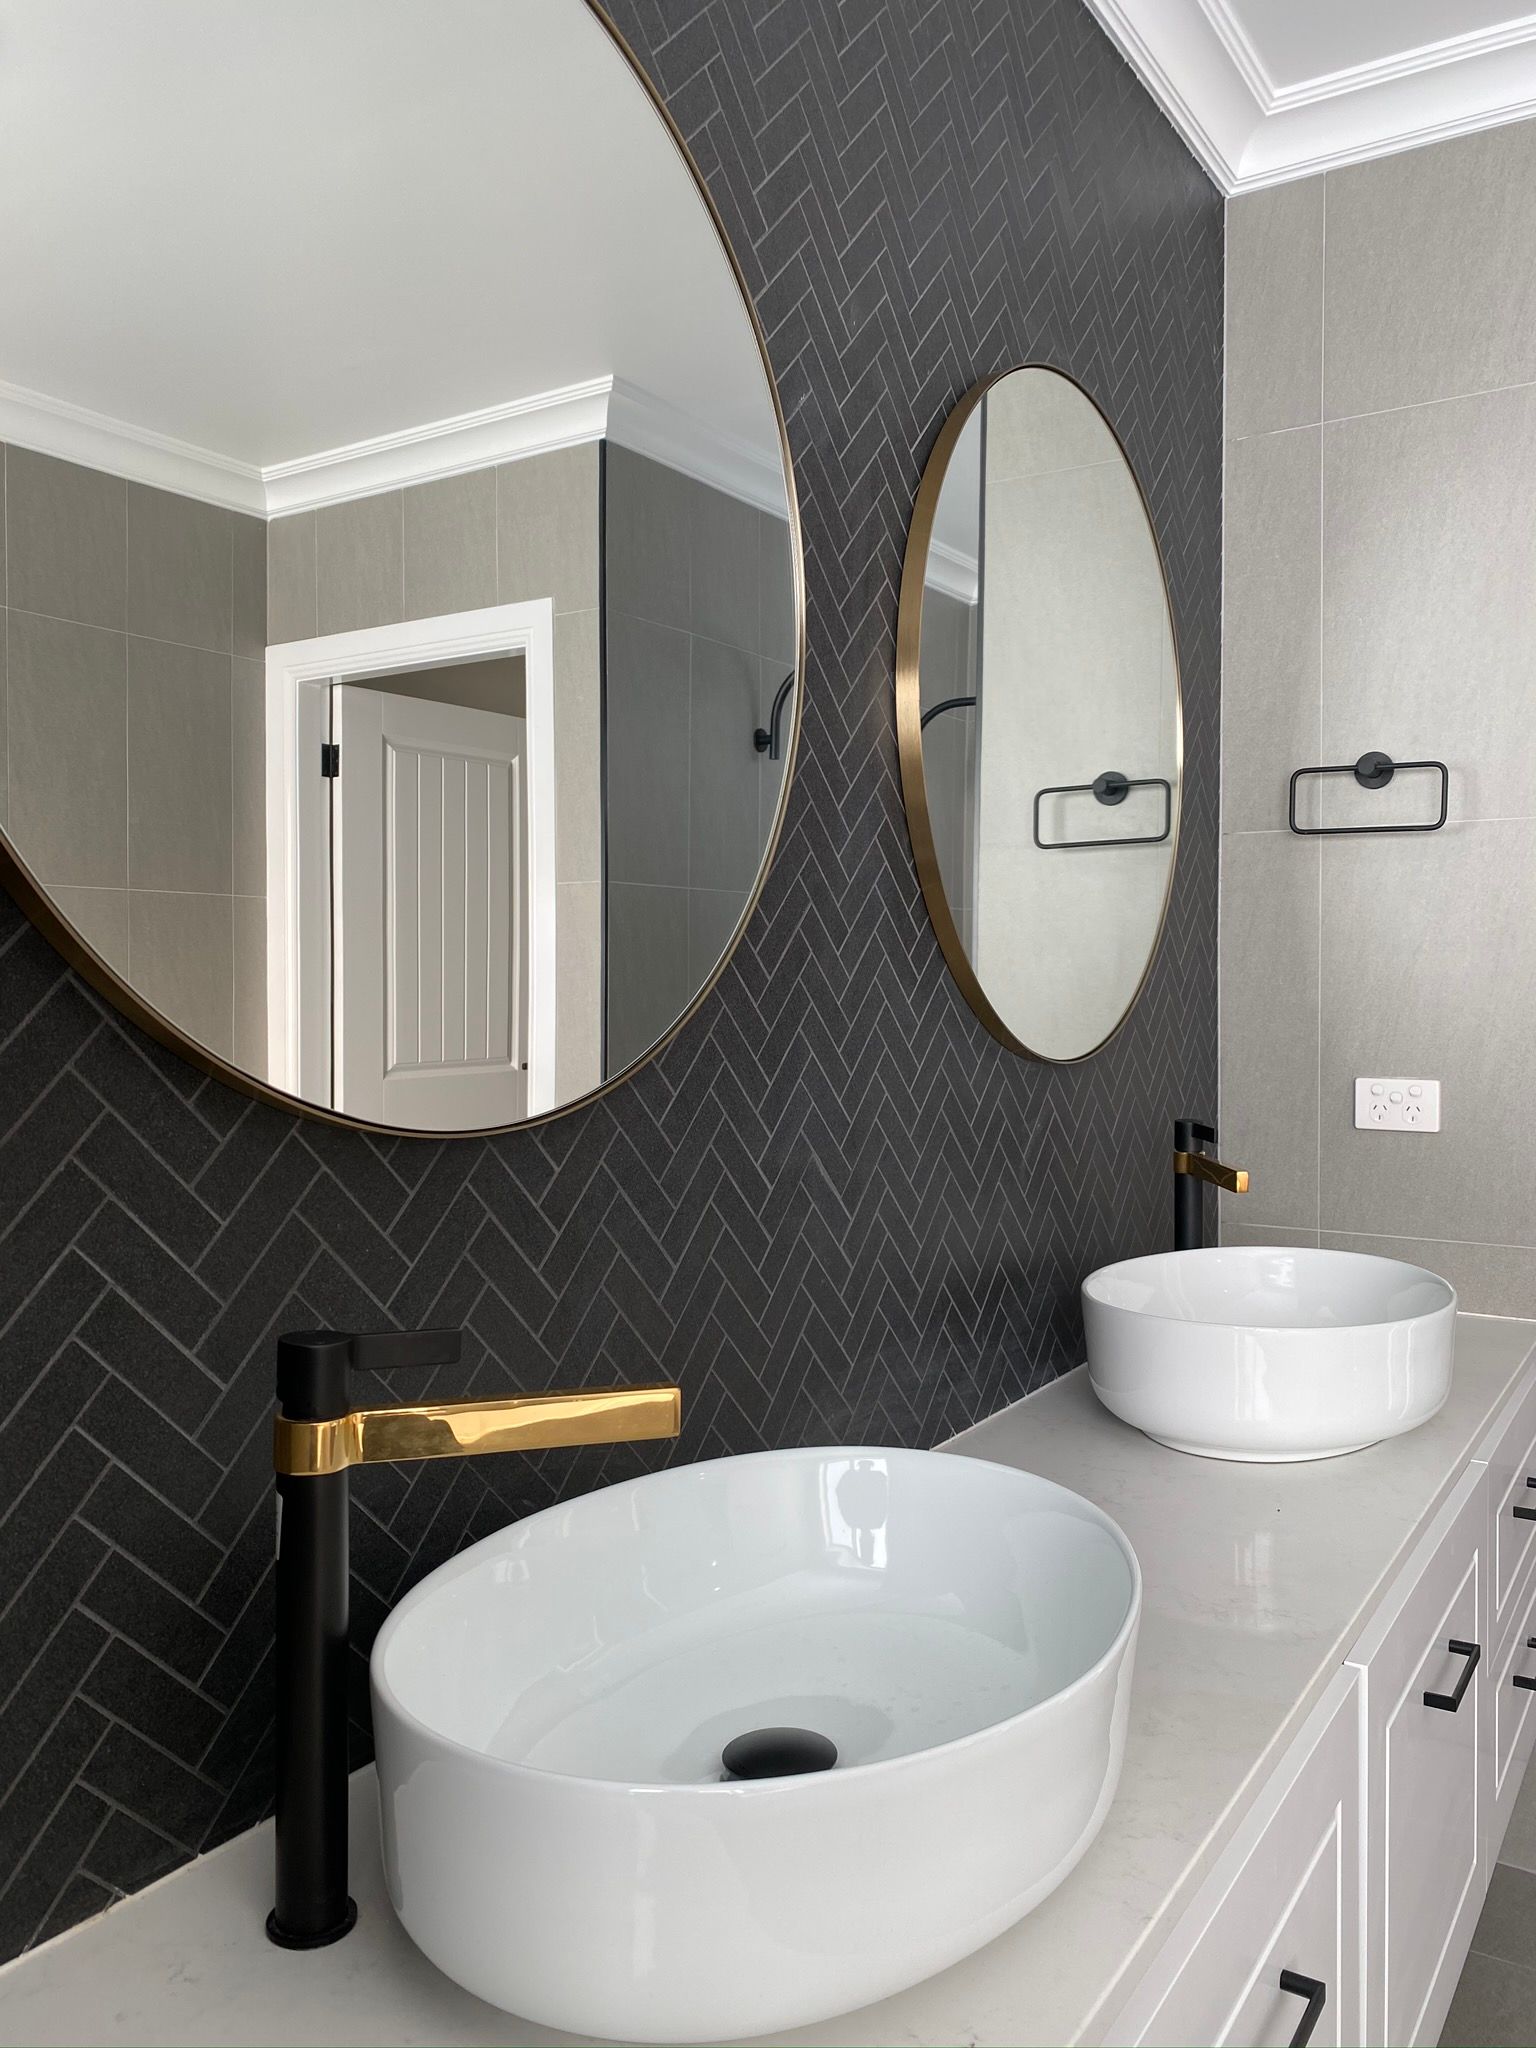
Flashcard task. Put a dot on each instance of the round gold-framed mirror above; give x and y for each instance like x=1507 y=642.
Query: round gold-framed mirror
x=1039 y=714
x=404 y=594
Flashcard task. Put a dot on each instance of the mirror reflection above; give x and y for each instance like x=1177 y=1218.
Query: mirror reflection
x=399 y=593
x=1040 y=725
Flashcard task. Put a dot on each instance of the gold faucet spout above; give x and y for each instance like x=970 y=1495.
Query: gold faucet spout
x=466 y=1429
x=1233 y=1178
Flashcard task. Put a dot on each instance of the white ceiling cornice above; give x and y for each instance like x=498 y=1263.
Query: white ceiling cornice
x=52 y=426
x=603 y=407
x=1200 y=63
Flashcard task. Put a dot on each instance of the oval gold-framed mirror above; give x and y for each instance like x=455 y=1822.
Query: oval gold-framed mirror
x=404 y=591
x=1039 y=714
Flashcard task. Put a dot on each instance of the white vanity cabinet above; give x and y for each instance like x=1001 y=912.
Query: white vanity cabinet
x=1363 y=1863
x=1269 y=1950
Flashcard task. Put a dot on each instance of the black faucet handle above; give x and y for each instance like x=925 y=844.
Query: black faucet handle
x=313 y=1365
x=389 y=1350
x=1188 y=1133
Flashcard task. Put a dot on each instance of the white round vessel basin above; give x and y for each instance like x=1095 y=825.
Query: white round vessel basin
x=551 y=1708
x=1271 y=1354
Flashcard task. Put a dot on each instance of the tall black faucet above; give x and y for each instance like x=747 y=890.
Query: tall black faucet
x=319 y=1436
x=1190 y=1169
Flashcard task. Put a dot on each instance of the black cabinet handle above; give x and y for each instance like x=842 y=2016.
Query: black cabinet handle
x=1525 y=1514
x=1527 y=1684
x=1315 y=1992
x=1448 y=1702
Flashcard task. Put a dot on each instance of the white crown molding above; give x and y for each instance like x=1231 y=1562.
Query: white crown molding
x=953 y=572
x=1196 y=59
x=652 y=427
x=52 y=426
x=603 y=406
x=415 y=455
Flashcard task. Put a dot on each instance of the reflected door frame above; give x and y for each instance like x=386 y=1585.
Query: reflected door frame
x=299 y=964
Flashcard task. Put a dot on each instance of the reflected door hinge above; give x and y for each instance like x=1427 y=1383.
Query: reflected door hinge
x=330 y=757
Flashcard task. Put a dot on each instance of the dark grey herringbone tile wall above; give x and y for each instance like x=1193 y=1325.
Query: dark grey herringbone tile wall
x=834 y=1209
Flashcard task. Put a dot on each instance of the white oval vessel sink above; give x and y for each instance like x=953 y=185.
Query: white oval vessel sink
x=550 y=1709
x=1269 y=1354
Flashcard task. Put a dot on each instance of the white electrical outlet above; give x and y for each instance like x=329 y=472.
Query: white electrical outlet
x=1397 y=1105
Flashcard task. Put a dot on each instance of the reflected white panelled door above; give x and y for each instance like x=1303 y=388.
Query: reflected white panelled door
x=429 y=912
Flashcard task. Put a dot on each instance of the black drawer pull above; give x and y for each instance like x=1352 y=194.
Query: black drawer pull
x=1448 y=1702
x=1315 y=1992
x=1525 y=1514
x=1527 y=1684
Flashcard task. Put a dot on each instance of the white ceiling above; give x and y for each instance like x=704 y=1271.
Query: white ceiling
x=270 y=228
x=1265 y=90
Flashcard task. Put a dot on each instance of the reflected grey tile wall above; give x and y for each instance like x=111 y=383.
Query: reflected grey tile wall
x=699 y=619
x=133 y=738
x=949 y=745
x=1380 y=594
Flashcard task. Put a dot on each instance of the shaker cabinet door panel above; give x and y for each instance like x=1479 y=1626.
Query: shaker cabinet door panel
x=1510 y=1453
x=1426 y=1672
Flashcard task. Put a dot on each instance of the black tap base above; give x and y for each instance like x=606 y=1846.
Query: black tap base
x=343 y=1926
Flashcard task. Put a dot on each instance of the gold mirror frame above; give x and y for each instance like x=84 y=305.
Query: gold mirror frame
x=18 y=881
x=909 y=738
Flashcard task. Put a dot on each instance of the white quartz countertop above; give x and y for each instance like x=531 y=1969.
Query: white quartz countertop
x=1256 y=1581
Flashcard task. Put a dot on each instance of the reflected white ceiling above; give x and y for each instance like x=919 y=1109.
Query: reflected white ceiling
x=1266 y=90
x=271 y=228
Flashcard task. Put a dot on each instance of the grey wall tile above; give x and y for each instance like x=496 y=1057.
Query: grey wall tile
x=359 y=563
x=776 y=589
x=713 y=915
x=578 y=748
x=450 y=545
x=100 y=916
x=1233 y=1230
x=1038 y=424
x=292 y=595
x=249 y=973
x=182 y=948
x=547 y=541
x=648 y=985
x=1271 y=677
x=1444 y=987
x=578 y=988
x=66 y=539
x=949 y=743
x=4 y=596
x=647 y=714
x=180 y=569
x=1274 y=357
x=724 y=838
x=248 y=728
x=647 y=533
x=68 y=718
x=1427 y=295
x=248 y=537
x=180 y=768
x=1489 y=1279
x=1269 y=1023
x=1429 y=604
x=723 y=557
